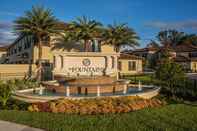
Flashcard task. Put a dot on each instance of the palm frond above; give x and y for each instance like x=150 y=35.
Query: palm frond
x=120 y=34
x=39 y=22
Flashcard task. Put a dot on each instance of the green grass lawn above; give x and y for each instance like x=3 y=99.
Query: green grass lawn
x=174 y=117
x=145 y=79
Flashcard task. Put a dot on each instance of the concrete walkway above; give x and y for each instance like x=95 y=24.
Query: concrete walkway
x=8 y=126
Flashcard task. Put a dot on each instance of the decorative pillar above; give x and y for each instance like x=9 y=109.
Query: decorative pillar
x=67 y=91
x=109 y=65
x=106 y=65
x=116 y=67
x=98 y=91
x=125 y=89
x=54 y=62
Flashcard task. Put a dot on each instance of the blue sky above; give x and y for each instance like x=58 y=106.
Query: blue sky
x=146 y=17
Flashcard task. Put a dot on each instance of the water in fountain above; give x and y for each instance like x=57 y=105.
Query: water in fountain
x=139 y=86
x=41 y=90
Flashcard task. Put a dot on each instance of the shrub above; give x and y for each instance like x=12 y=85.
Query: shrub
x=95 y=106
x=13 y=104
x=6 y=89
x=5 y=92
x=18 y=84
x=174 y=82
x=170 y=72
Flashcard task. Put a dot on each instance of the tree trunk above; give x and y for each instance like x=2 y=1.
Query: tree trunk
x=39 y=59
x=117 y=49
x=86 y=45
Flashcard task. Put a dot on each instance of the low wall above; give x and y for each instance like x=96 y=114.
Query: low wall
x=16 y=71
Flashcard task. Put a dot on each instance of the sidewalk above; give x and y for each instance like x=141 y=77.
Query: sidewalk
x=8 y=126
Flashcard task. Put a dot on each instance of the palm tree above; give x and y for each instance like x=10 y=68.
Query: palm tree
x=39 y=22
x=118 y=35
x=86 y=30
x=170 y=37
x=190 y=39
x=66 y=41
x=153 y=44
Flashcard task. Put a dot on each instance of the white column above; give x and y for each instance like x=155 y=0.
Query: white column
x=109 y=64
x=98 y=91
x=58 y=62
x=55 y=61
x=125 y=89
x=116 y=67
x=67 y=91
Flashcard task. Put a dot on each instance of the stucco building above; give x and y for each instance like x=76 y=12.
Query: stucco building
x=72 y=60
x=184 y=54
x=3 y=51
x=24 y=51
x=130 y=64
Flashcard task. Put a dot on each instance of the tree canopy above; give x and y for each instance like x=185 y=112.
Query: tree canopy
x=120 y=34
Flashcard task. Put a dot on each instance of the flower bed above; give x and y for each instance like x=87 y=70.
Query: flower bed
x=96 y=106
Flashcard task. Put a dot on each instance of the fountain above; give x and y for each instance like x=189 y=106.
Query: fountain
x=86 y=75
x=139 y=86
x=41 y=90
x=98 y=90
x=67 y=91
x=97 y=85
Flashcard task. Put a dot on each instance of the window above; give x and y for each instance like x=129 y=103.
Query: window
x=15 y=51
x=20 y=48
x=120 y=65
x=132 y=65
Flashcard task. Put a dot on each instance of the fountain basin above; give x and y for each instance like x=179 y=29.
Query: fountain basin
x=132 y=90
x=87 y=85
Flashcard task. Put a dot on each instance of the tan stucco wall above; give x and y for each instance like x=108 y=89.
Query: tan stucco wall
x=15 y=68
x=107 y=48
x=14 y=71
x=125 y=67
x=46 y=53
x=194 y=66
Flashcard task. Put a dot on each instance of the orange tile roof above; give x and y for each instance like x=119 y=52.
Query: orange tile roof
x=146 y=49
x=128 y=56
x=185 y=48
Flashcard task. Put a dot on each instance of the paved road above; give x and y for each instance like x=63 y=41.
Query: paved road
x=8 y=126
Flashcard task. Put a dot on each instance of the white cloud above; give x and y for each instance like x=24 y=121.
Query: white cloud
x=189 y=24
x=6 y=34
x=6 y=37
x=8 y=13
